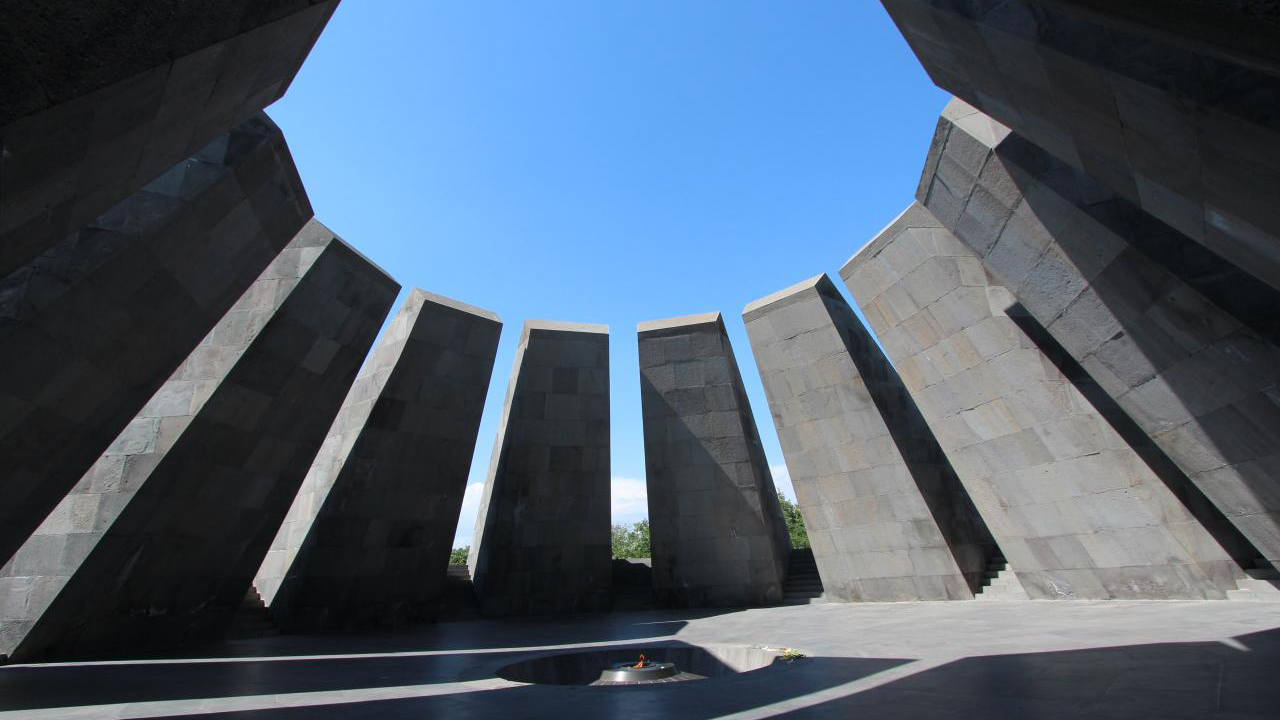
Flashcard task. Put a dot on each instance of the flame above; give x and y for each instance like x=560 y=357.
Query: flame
x=639 y=664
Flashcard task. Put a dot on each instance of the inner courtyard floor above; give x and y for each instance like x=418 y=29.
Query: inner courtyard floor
x=1097 y=660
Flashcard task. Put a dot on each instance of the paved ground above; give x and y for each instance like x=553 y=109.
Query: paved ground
x=902 y=660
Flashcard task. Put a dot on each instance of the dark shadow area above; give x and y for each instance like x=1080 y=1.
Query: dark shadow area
x=29 y=687
x=1165 y=680
x=701 y=700
x=1191 y=497
x=966 y=533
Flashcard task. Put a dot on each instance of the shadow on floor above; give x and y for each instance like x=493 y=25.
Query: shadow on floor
x=699 y=700
x=269 y=666
x=1224 y=680
x=1167 y=680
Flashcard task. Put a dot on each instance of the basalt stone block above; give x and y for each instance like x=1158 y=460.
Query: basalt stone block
x=156 y=545
x=367 y=540
x=1171 y=104
x=717 y=533
x=102 y=98
x=1076 y=510
x=1194 y=361
x=541 y=543
x=886 y=515
x=92 y=328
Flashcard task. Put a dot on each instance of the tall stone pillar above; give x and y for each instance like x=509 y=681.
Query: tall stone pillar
x=1188 y=346
x=157 y=544
x=541 y=543
x=1076 y=510
x=1171 y=104
x=368 y=537
x=102 y=98
x=886 y=515
x=91 y=329
x=716 y=529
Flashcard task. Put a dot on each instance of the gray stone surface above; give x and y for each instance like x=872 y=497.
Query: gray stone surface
x=101 y=98
x=1075 y=509
x=715 y=526
x=886 y=515
x=367 y=540
x=541 y=543
x=1171 y=104
x=1201 y=383
x=91 y=329
x=158 y=542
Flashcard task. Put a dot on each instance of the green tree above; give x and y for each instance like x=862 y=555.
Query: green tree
x=795 y=523
x=631 y=542
x=459 y=555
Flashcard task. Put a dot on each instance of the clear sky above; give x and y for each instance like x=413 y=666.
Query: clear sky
x=610 y=162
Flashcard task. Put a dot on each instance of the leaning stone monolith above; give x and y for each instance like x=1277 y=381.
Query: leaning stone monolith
x=716 y=530
x=367 y=540
x=541 y=543
x=157 y=544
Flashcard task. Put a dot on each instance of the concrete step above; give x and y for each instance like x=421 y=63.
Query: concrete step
x=1004 y=586
x=1253 y=589
x=253 y=619
x=1263 y=574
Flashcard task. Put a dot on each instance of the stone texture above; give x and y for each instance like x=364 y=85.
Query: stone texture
x=158 y=542
x=1202 y=381
x=886 y=515
x=1075 y=509
x=90 y=329
x=541 y=543
x=716 y=529
x=367 y=540
x=1172 y=104
x=101 y=98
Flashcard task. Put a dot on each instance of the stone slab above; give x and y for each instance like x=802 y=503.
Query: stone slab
x=716 y=529
x=102 y=98
x=156 y=545
x=541 y=543
x=92 y=328
x=1076 y=510
x=1195 y=364
x=886 y=515
x=367 y=540
x=1171 y=105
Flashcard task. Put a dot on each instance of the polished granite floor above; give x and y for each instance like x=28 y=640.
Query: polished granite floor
x=988 y=660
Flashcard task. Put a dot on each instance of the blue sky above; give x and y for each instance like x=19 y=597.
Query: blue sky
x=609 y=162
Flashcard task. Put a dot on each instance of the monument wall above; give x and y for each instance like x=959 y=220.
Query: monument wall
x=367 y=540
x=91 y=329
x=541 y=543
x=716 y=529
x=1197 y=378
x=157 y=544
x=1076 y=510
x=886 y=515
x=102 y=98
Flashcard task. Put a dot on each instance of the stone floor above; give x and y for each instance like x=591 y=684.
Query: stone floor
x=1096 y=660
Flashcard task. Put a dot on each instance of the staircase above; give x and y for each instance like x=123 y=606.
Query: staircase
x=458 y=600
x=803 y=585
x=253 y=619
x=1261 y=582
x=1000 y=582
